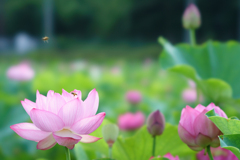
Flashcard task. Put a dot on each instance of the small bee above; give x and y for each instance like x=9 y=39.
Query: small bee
x=74 y=94
x=45 y=39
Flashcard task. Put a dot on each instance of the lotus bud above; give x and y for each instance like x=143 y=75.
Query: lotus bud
x=156 y=123
x=191 y=17
x=196 y=130
x=133 y=97
x=110 y=133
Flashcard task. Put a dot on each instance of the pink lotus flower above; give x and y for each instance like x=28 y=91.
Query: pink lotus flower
x=131 y=121
x=64 y=119
x=20 y=72
x=169 y=156
x=196 y=130
x=133 y=97
x=190 y=95
x=191 y=17
x=218 y=154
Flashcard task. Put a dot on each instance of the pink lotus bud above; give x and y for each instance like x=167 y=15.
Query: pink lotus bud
x=169 y=156
x=196 y=130
x=191 y=17
x=131 y=121
x=218 y=154
x=20 y=72
x=156 y=123
x=110 y=133
x=190 y=95
x=133 y=97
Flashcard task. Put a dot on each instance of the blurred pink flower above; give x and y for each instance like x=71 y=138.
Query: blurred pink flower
x=64 y=119
x=218 y=154
x=133 y=97
x=20 y=72
x=190 y=95
x=191 y=17
x=191 y=84
x=131 y=121
x=196 y=130
x=169 y=156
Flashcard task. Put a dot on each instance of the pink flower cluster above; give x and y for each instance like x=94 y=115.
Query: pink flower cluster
x=131 y=121
x=64 y=119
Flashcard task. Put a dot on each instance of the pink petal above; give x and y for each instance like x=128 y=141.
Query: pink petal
x=70 y=112
x=89 y=139
x=91 y=104
x=187 y=119
x=67 y=96
x=211 y=106
x=28 y=105
x=46 y=121
x=205 y=126
x=55 y=103
x=29 y=131
x=185 y=136
x=200 y=108
x=46 y=143
x=220 y=112
x=41 y=101
x=70 y=146
x=202 y=140
x=50 y=93
x=66 y=138
x=88 y=125
x=79 y=93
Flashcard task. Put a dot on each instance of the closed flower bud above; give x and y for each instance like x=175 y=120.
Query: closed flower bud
x=156 y=123
x=133 y=97
x=196 y=130
x=110 y=133
x=191 y=17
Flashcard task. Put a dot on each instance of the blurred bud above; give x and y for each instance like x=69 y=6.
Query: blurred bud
x=156 y=123
x=190 y=95
x=131 y=121
x=110 y=133
x=21 y=72
x=133 y=97
x=191 y=17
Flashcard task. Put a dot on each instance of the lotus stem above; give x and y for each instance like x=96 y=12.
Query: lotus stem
x=209 y=153
x=68 y=157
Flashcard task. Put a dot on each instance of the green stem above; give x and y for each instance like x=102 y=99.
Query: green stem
x=209 y=153
x=154 y=146
x=110 y=152
x=68 y=157
x=192 y=37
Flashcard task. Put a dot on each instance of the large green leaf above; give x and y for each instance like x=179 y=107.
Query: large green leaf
x=216 y=90
x=227 y=126
x=210 y=60
x=231 y=142
x=137 y=147
x=230 y=128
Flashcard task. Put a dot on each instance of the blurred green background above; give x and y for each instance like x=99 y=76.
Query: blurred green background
x=108 y=45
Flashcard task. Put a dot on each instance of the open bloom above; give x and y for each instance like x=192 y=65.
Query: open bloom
x=169 y=156
x=131 y=121
x=196 y=130
x=64 y=119
x=191 y=17
x=20 y=72
x=218 y=154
